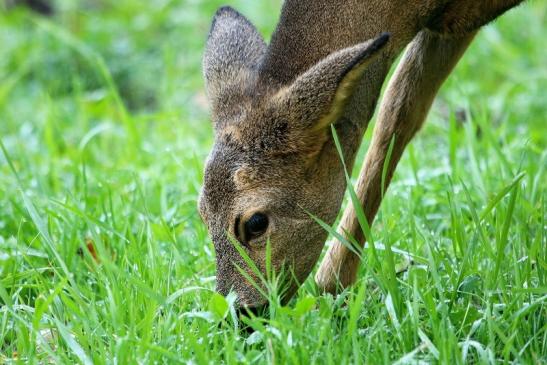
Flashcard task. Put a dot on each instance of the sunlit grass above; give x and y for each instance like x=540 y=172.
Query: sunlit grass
x=103 y=258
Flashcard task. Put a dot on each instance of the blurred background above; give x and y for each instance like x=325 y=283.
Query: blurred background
x=104 y=131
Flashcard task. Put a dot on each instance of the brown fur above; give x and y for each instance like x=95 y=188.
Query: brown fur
x=272 y=107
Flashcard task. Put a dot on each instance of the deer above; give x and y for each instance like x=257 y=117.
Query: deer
x=274 y=168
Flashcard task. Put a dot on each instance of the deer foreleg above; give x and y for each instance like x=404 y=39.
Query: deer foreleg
x=428 y=61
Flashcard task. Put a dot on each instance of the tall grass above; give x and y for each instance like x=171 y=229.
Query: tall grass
x=103 y=258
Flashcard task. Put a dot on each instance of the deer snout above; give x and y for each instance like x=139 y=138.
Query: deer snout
x=231 y=280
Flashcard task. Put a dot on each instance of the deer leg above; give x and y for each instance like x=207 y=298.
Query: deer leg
x=428 y=61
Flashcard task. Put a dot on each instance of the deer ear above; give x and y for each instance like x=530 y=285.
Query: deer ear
x=233 y=50
x=317 y=97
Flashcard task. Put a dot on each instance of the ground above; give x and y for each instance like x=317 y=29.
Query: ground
x=103 y=258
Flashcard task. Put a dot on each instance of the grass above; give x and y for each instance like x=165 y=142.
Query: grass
x=104 y=130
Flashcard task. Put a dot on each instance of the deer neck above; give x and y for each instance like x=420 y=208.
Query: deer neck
x=309 y=30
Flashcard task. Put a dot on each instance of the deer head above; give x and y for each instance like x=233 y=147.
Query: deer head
x=273 y=162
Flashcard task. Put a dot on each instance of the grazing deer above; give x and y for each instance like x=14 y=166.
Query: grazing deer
x=274 y=160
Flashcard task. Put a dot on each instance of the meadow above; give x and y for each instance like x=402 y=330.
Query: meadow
x=104 y=131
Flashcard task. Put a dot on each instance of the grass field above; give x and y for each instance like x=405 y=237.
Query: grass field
x=104 y=131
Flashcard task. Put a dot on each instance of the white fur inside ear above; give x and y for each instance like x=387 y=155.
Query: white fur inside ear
x=342 y=95
x=318 y=97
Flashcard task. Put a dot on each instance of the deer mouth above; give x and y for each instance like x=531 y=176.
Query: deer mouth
x=252 y=311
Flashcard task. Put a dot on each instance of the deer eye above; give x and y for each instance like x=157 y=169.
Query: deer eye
x=255 y=226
